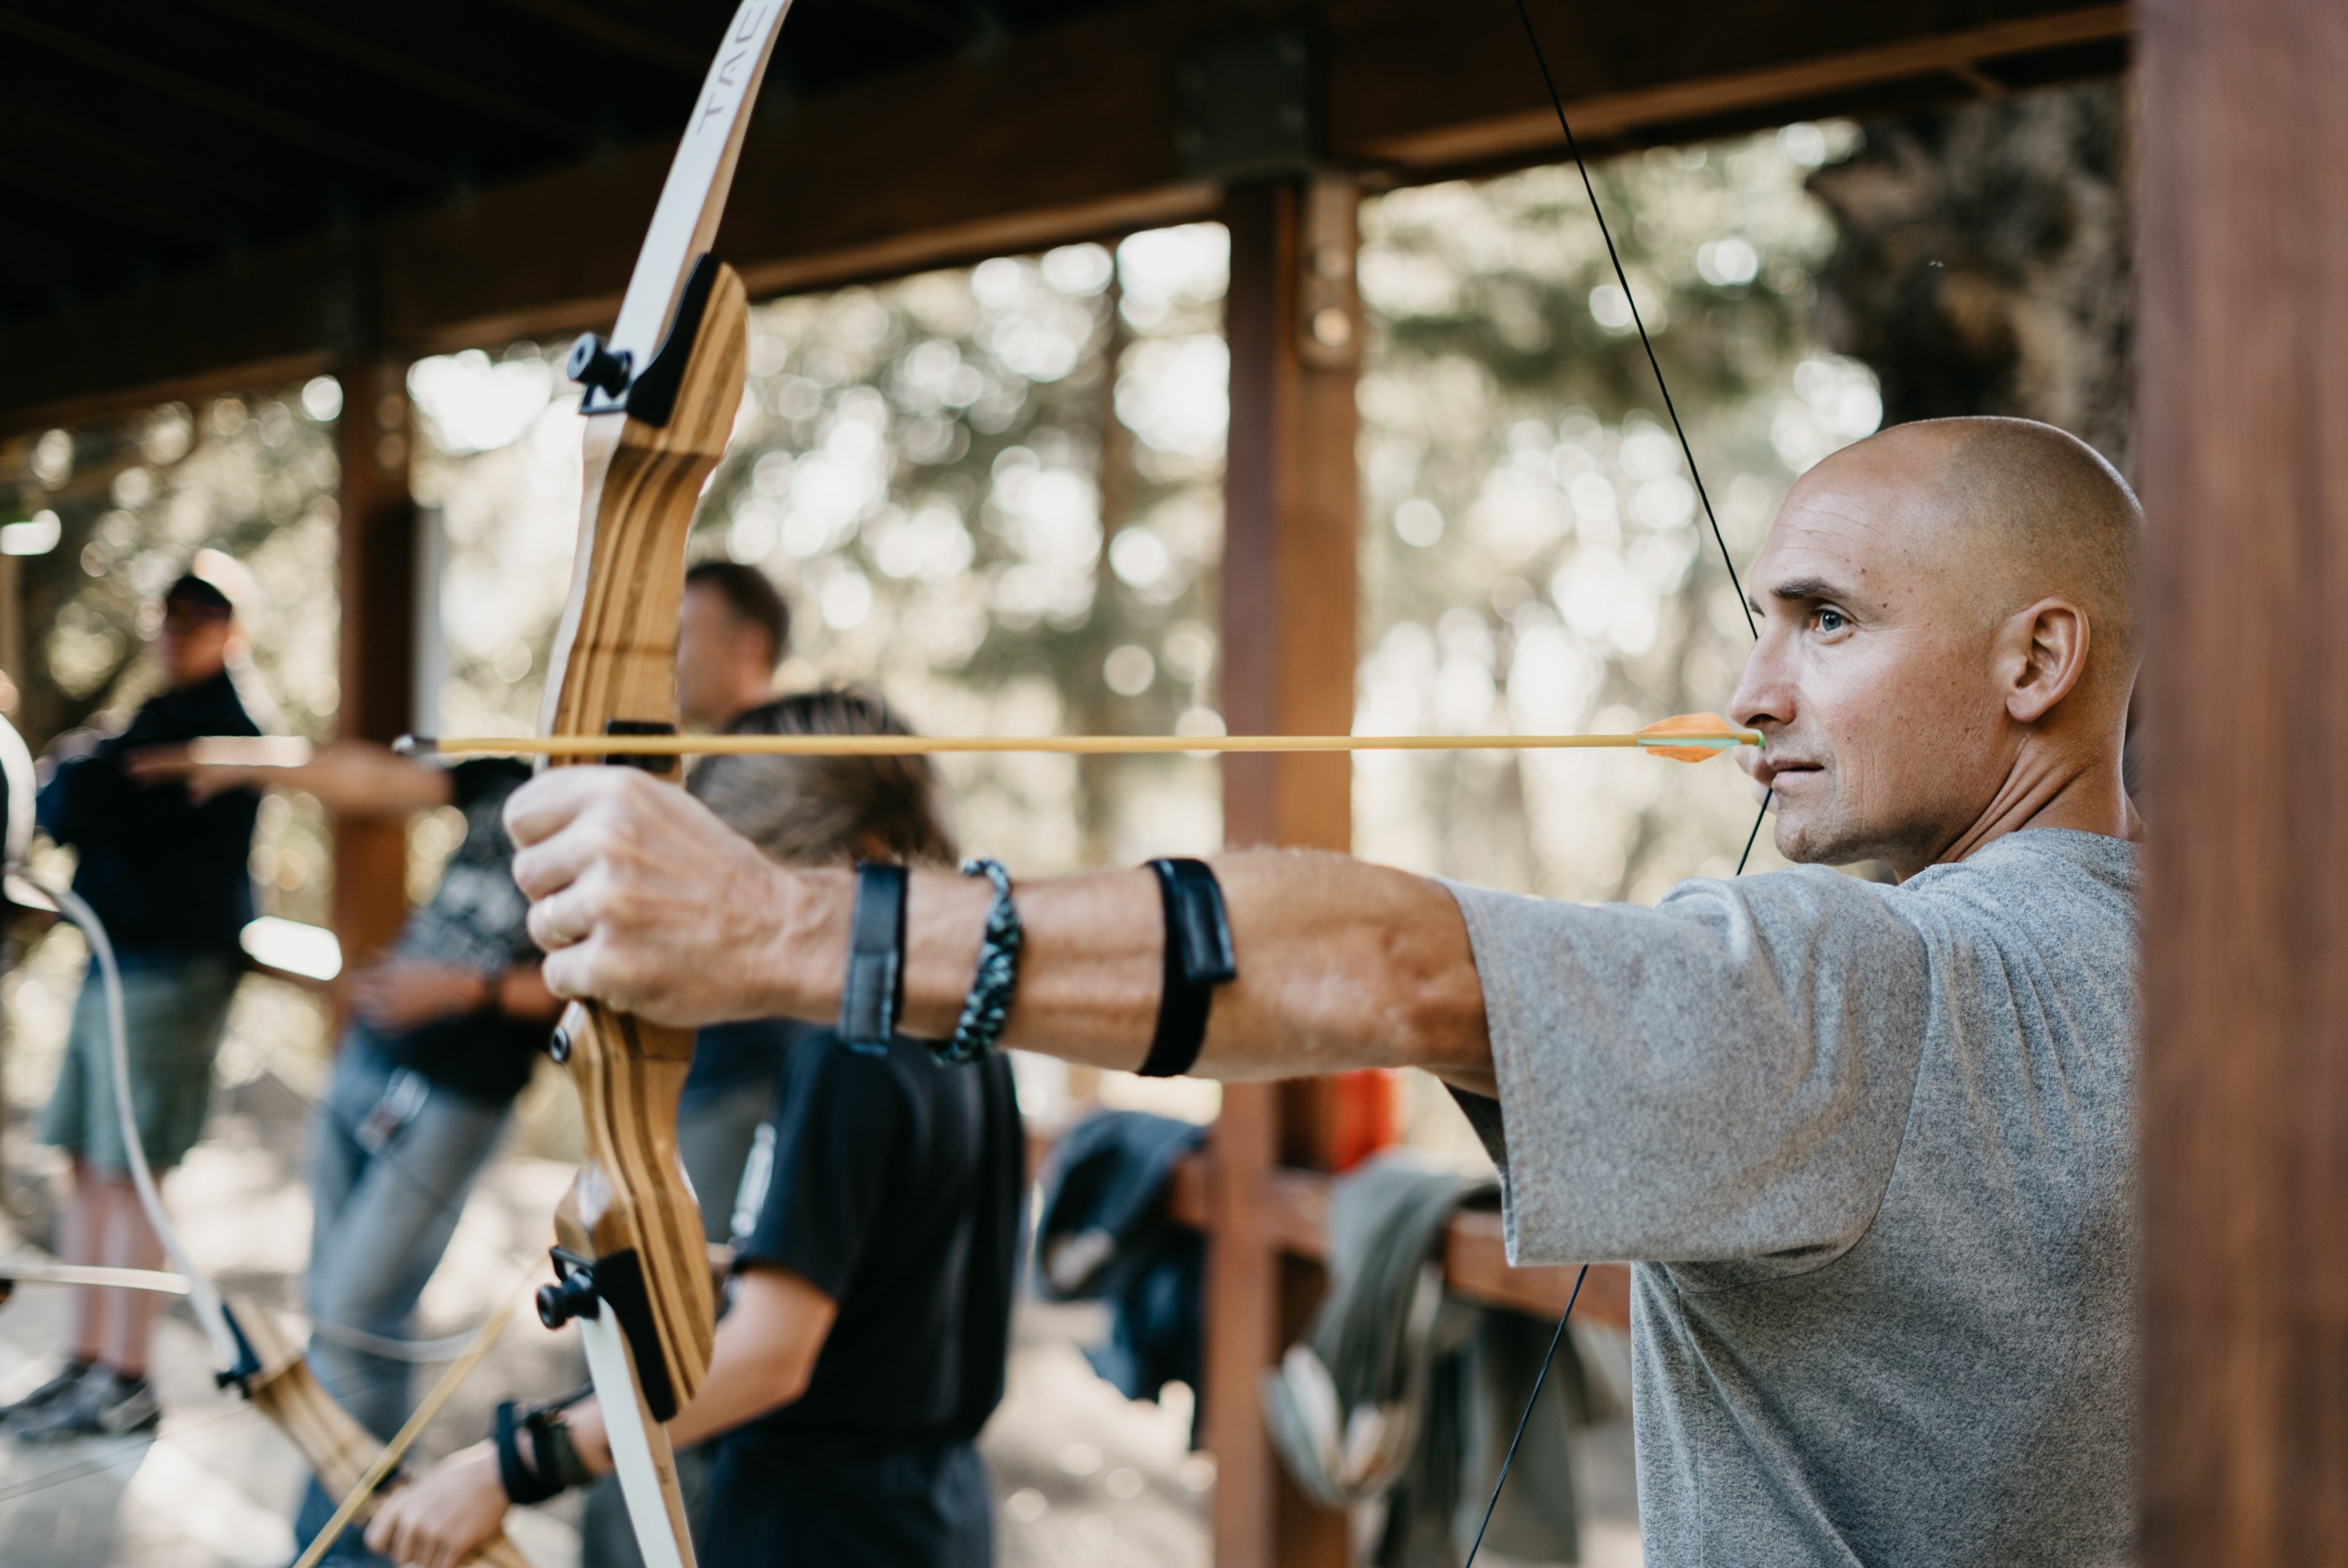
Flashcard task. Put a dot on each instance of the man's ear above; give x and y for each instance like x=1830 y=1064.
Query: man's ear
x=2043 y=652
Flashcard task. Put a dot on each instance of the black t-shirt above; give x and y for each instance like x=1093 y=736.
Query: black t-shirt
x=895 y=1190
x=474 y=920
x=167 y=877
x=729 y=1057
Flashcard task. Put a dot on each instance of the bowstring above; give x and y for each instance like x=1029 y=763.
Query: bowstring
x=1622 y=281
x=1687 y=452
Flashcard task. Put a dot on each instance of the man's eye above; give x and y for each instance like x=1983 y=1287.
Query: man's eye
x=1831 y=621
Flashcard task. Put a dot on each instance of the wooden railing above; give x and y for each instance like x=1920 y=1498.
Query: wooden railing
x=1475 y=1255
x=1476 y=1264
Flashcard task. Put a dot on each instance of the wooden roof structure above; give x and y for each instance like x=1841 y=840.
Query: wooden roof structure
x=235 y=190
x=217 y=193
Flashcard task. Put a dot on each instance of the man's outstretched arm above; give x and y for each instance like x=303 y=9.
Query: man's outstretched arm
x=646 y=901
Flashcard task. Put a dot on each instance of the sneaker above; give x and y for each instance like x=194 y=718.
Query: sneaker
x=48 y=1393
x=102 y=1404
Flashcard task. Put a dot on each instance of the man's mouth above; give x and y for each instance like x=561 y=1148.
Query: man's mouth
x=1777 y=772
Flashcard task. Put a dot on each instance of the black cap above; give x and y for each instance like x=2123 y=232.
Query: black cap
x=193 y=593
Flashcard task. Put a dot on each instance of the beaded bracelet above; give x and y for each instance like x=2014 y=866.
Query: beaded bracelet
x=988 y=1006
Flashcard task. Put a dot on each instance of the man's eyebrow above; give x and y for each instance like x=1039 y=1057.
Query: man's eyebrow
x=1802 y=587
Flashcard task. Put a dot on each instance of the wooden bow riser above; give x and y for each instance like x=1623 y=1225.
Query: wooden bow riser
x=617 y=655
x=631 y=1195
x=338 y=1450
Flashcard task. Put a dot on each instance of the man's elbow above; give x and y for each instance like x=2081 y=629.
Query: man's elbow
x=1439 y=1026
x=1428 y=1003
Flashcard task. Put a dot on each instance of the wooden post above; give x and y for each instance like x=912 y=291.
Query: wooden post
x=378 y=641
x=1292 y=510
x=2244 y=399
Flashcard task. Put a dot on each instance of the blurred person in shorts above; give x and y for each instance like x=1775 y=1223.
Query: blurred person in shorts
x=444 y=1034
x=166 y=874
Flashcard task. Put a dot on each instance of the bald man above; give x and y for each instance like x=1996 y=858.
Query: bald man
x=1870 y=1147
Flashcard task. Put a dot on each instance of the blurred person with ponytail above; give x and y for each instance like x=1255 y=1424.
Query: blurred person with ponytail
x=875 y=1240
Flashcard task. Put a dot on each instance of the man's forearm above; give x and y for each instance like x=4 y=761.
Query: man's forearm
x=644 y=900
x=1342 y=965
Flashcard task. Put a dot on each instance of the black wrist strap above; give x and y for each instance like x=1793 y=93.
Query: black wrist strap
x=1197 y=959
x=873 y=994
x=522 y=1478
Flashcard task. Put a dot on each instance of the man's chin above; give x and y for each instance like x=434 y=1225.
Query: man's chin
x=1808 y=836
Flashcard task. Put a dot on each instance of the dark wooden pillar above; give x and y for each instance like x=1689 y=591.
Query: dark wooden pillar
x=2244 y=402
x=1292 y=510
x=378 y=641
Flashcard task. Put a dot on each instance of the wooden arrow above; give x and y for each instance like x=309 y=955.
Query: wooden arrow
x=1688 y=738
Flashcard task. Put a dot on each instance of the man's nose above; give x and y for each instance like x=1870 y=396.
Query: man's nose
x=1764 y=692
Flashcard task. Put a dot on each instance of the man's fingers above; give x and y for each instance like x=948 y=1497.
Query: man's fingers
x=565 y=974
x=570 y=974
x=607 y=819
x=566 y=919
x=558 y=796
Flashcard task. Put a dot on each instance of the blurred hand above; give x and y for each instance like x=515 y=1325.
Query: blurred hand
x=160 y=765
x=436 y=1520
x=399 y=995
x=74 y=745
x=644 y=900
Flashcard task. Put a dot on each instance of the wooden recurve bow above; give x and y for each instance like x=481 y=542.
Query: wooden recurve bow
x=659 y=405
x=255 y=1355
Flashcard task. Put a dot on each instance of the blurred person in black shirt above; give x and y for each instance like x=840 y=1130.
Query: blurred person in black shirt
x=734 y=631
x=166 y=873
x=445 y=1033
x=870 y=1311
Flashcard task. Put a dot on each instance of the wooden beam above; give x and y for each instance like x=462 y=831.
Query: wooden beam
x=1292 y=519
x=377 y=589
x=1732 y=73
x=1066 y=134
x=534 y=120
x=2244 y=393
x=297 y=133
x=1476 y=1264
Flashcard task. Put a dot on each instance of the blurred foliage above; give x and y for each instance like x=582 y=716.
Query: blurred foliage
x=239 y=490
x=995 y=494
x=1984 y=260
x=999 y=490
x=1535 y=557
x=991 y=493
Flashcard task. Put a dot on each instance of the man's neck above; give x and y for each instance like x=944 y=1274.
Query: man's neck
x=2046 y=789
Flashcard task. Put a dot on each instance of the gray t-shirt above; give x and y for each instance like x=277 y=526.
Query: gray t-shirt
x=1873 y=1150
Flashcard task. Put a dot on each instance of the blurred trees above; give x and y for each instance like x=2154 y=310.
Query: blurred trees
x=241 y=490
x=1536 y=557
x=991 y=493
x=994 y=493
x=998 y=491
x=1983 y=262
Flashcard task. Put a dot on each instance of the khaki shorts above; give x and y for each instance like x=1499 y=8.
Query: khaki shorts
x=174 y=1013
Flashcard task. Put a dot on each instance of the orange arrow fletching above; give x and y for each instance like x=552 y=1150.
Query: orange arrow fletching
x=1693 y=737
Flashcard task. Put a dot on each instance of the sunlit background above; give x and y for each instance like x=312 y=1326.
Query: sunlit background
x=995 y=494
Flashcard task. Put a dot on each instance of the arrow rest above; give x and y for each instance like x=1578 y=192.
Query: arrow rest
x=647 y=397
